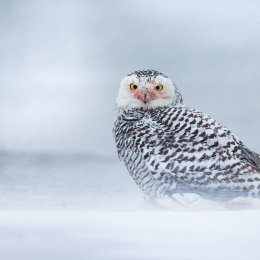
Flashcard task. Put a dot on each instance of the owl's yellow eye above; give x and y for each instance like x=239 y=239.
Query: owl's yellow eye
x=158 y=87
x=133 y=86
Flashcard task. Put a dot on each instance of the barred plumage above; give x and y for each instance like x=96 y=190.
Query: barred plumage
x=171 y=149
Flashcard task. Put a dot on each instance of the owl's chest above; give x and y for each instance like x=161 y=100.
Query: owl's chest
x=140 y=134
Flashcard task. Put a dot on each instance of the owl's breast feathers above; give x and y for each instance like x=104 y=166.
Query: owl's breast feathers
x=170 y=147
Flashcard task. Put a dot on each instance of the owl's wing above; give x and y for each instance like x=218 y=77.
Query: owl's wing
x=194 y=149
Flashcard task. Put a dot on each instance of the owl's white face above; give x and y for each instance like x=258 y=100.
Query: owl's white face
x=136 y=92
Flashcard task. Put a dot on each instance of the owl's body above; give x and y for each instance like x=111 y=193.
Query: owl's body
x=171 y=149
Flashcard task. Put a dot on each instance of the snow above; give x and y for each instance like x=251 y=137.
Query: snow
x=129 y=235
x=75 y=207
x=65 y=181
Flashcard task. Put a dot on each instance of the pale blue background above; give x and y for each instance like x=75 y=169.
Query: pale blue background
x=62 y=61
x=60 y=67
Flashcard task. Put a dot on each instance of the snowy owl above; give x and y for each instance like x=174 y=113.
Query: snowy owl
x=169 y=148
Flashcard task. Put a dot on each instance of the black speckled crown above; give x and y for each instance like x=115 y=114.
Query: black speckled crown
x=147 y=74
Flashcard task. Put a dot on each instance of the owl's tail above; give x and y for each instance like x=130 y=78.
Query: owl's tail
x=251 y=156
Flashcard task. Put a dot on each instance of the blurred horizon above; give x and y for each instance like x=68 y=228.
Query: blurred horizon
x=62 y=61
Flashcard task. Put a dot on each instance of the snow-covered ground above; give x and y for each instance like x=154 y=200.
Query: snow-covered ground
x=129 y=235
x=75 y=207
x=65 y=182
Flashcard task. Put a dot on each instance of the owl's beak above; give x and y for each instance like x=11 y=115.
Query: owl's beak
x=145 y=100
x=145 y=94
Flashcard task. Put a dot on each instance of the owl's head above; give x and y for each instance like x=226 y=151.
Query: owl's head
x=147 y=89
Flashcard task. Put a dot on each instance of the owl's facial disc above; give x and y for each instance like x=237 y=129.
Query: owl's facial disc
x=137 y=92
